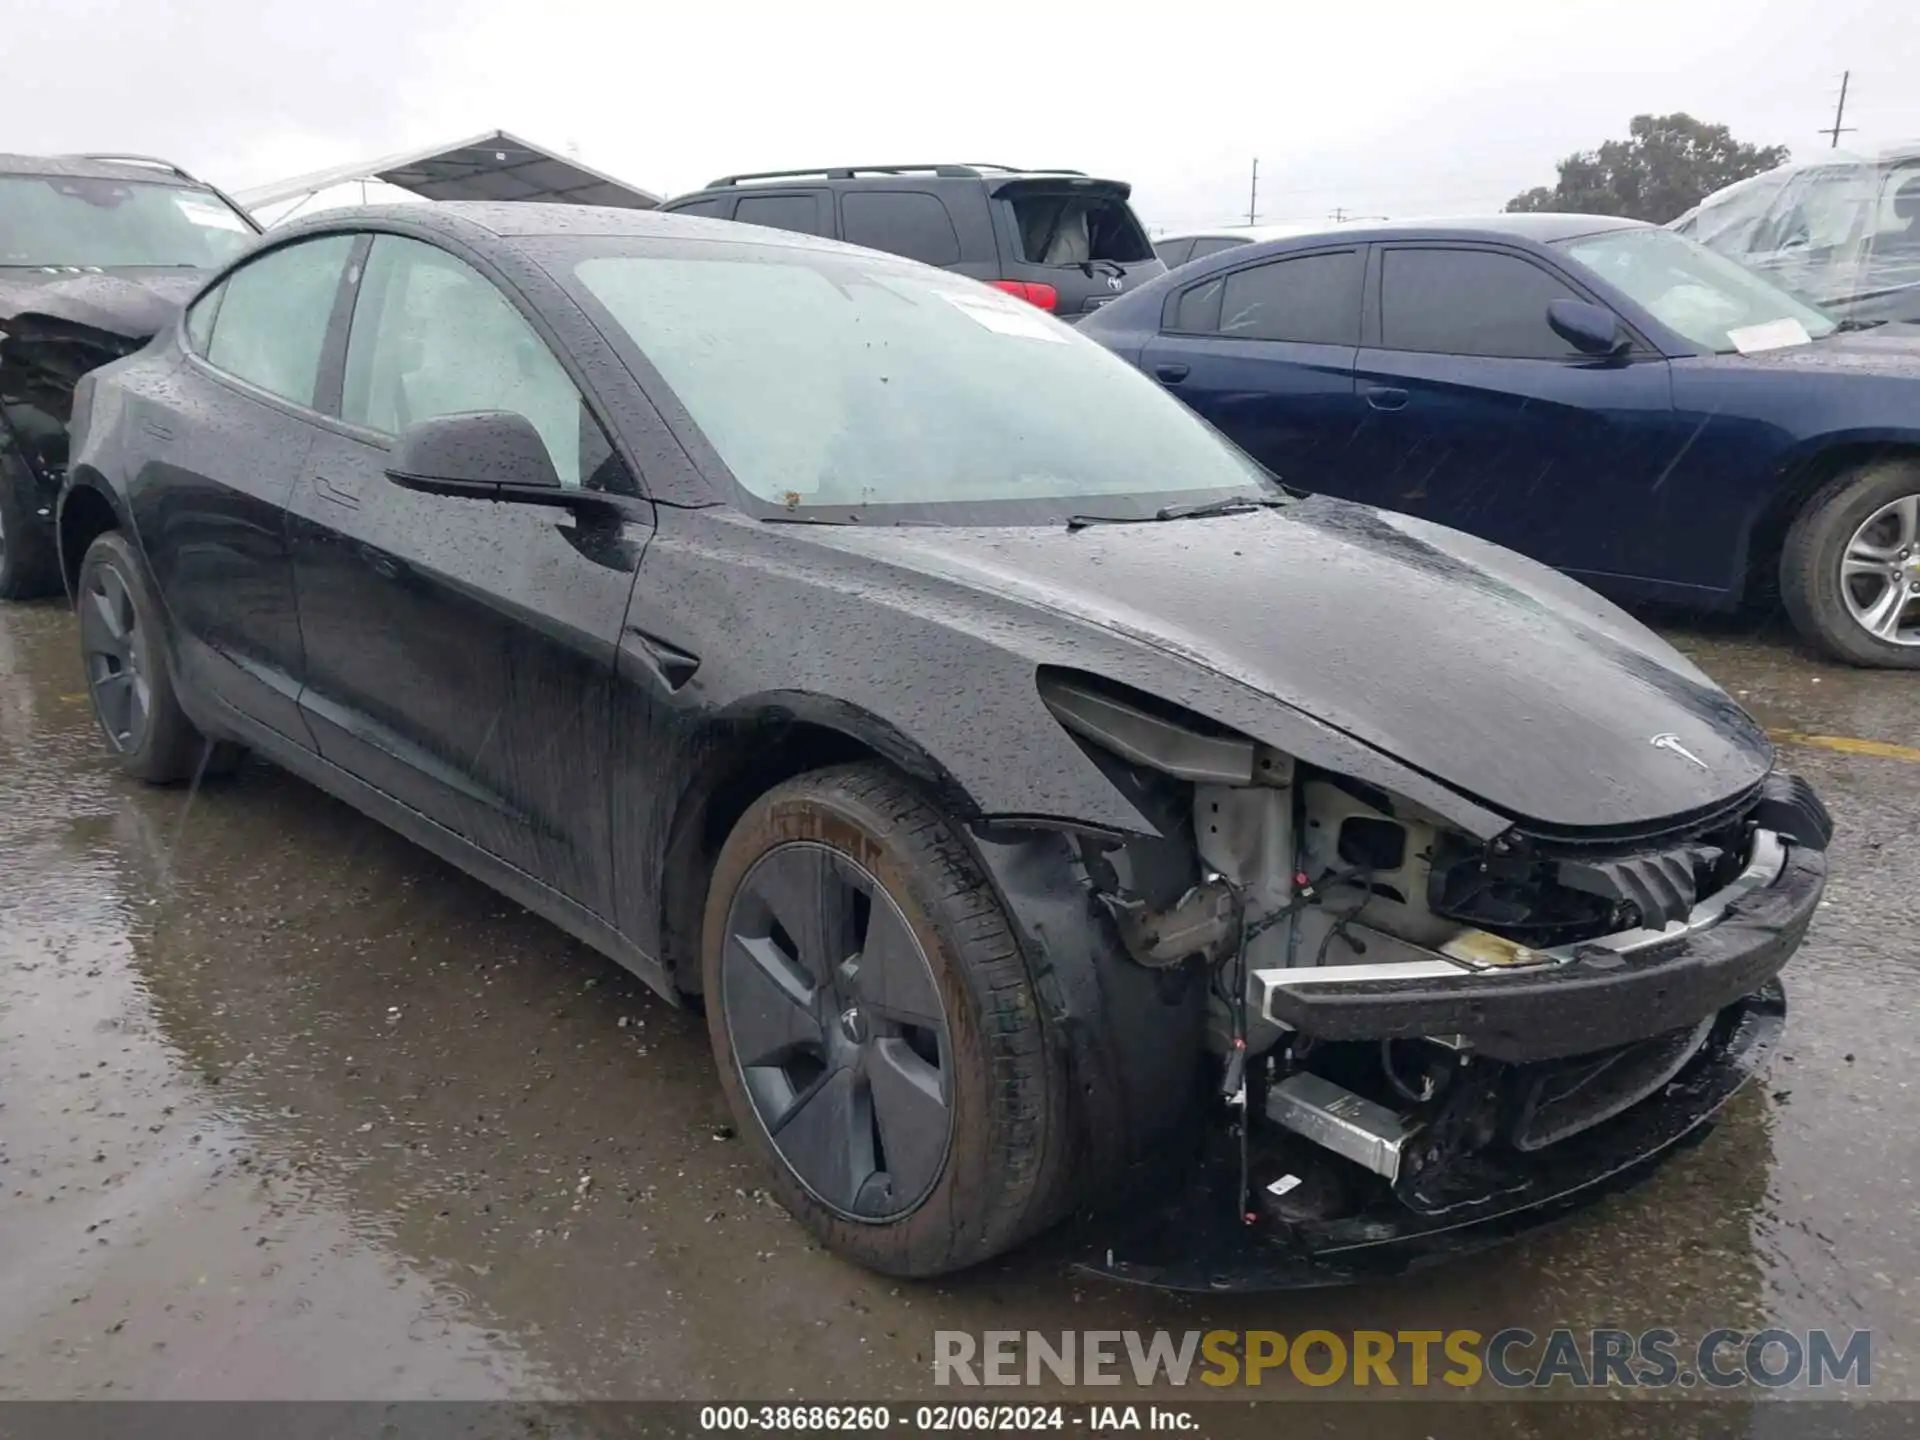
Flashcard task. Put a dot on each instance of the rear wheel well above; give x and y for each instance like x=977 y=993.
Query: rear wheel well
x=85 y=516
x=1803 y=482
x=749 y=762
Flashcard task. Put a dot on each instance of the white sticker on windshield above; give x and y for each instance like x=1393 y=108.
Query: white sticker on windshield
x=1005 y=317
x=205 y=210
x=1772 y=335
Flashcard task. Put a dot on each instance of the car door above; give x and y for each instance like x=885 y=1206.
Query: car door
x=1476 y=414
x=460 y=652
x=226 y=437
x=1266 y=353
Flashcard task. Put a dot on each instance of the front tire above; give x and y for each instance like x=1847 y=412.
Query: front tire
x=876 y=1029
x=1850 y=569
x=128 y=679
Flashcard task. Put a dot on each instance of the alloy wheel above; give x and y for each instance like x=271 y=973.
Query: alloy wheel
x=1880 y=573
x=838 y=1030
x=115 y=650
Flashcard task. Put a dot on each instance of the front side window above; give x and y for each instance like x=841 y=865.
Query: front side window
x=1470 y=302
x=832 y=379
x=432 y=336
x=270 y=324
x=1707 y=298
x=1310 y=300
x=115 y=224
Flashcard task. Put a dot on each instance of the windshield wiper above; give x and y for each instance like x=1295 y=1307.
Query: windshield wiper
x=1199 y=510
x=1231 y=505
x=1851 y=324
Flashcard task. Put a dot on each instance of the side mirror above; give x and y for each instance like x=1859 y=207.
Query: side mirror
x=481 y=455
x=1590 y=329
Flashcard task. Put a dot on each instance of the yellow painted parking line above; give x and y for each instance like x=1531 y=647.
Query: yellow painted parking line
x=1847 y=745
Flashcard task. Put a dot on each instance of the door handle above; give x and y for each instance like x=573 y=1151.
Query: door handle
x=1386 y=397
x=1173 y=371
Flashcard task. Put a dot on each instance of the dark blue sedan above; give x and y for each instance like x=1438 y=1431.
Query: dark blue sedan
x=1606 y=396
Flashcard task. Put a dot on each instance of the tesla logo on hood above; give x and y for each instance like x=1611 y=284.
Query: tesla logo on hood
x=1672 y=742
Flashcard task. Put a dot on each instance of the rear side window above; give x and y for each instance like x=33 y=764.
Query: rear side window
x=1469 y=302
x=780 y=212
x=1197 y=312
x=273 y=317
x=1069 y=228
x=905 y=222
x=1310 y=300
x=713 y=207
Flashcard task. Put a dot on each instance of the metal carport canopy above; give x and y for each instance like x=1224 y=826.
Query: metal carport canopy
x=494 y=166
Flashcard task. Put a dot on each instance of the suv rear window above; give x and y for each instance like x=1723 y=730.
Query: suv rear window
x=1063 y=227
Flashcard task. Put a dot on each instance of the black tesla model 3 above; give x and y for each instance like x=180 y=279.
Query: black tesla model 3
x=1046 y=806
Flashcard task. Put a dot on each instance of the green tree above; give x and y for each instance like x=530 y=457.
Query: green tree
x=1667 y=165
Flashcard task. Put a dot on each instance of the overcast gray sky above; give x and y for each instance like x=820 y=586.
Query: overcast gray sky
x=1379 y=108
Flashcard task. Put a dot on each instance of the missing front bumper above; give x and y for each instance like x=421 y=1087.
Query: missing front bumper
x=1198 y=1240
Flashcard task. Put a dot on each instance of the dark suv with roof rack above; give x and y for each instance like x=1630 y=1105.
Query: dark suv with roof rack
x=1061 y=239
x=97 y=252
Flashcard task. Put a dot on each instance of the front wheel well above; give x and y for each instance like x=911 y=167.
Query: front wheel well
x=1800 y=484
x=743 y=765
x=85 y=515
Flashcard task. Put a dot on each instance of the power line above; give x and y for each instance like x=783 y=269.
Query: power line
x=1836 y=130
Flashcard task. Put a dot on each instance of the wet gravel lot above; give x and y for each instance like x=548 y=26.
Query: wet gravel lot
x=288 y=1108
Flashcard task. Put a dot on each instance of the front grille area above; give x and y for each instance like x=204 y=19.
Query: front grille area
x=1544 y=892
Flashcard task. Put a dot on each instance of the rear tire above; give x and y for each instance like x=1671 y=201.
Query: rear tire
x=128 y=678
x=1858 y=519
x=854 y=864
x=29 y=563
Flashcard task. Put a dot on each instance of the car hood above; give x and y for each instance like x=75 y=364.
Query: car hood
x=1892 y=349
x=56 y=324
x=1492 y=674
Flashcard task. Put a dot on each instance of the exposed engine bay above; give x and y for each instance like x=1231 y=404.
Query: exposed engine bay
x=1286 y=885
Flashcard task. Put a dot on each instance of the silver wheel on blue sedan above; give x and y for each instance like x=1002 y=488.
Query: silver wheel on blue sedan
x=1850 y=568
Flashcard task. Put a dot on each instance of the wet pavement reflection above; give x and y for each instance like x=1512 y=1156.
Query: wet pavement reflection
x=288 y=1108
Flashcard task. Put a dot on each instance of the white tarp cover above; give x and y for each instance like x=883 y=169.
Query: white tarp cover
x=496 y=166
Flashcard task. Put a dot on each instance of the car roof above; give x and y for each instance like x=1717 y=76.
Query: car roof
x=1250 y=233
x=1540 y=227
x=82 y=167
x=524 y=220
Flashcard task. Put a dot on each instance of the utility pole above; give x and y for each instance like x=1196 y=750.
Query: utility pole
x=1253 y=192
x=1339 y=215
x=1836 y=130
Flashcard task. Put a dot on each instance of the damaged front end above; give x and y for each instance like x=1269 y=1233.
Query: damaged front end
x=1419 y=1041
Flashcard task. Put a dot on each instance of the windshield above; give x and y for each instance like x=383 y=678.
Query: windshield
x=828 y=379
x=67 y=220
x=1715 y=303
